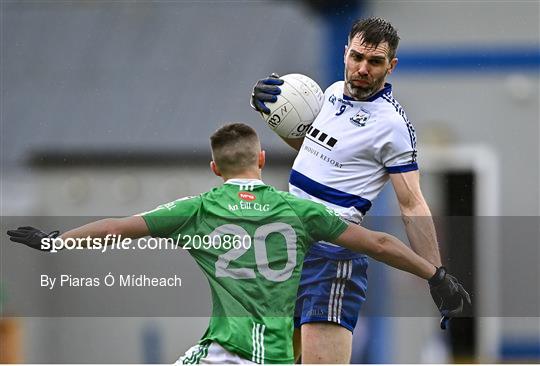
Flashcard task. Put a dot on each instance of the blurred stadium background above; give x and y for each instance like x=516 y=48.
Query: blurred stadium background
x=106 y=109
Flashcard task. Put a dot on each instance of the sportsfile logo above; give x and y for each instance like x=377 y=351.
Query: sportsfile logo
x=246 y=196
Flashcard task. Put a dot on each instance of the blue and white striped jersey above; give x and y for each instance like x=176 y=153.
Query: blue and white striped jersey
x=350 y=150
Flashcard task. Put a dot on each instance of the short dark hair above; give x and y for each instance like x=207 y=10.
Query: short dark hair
x=375 y=31
x=235 y=147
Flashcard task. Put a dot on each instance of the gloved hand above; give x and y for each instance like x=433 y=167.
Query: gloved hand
x=31 y=236
x=266 y=90
x=448 y=295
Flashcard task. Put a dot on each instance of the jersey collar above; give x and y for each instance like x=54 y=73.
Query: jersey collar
x=240 y=182
x=386 y=90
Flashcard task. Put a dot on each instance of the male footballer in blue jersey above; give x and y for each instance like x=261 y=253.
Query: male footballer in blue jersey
x=366 y=139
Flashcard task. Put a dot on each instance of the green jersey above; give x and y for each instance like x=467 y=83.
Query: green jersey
x=250 y=240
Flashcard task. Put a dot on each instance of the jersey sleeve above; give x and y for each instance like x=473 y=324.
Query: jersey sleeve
x=320 y=222
x=166 y=219
x=398 y=154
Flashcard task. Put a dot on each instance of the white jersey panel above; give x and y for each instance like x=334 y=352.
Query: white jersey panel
x=350 y=150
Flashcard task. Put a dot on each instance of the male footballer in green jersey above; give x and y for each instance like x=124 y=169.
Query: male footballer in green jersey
x=255 y=241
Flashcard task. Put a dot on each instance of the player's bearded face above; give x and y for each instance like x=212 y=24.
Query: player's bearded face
x=366 y=68
x=364 y=87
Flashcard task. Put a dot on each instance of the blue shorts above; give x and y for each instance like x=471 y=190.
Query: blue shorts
x=331 y=290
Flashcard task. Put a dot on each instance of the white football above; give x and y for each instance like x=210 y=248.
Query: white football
x=300 y=101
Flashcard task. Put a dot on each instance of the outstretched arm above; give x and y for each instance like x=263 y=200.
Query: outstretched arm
x=447 y=293
x=385 y=248
x=129 y=227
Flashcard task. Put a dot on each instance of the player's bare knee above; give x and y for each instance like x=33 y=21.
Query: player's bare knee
x=325 y=338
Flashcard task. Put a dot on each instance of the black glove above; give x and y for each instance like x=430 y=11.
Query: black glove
x=266 y=90
x=448 y=294
x=31 y=236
